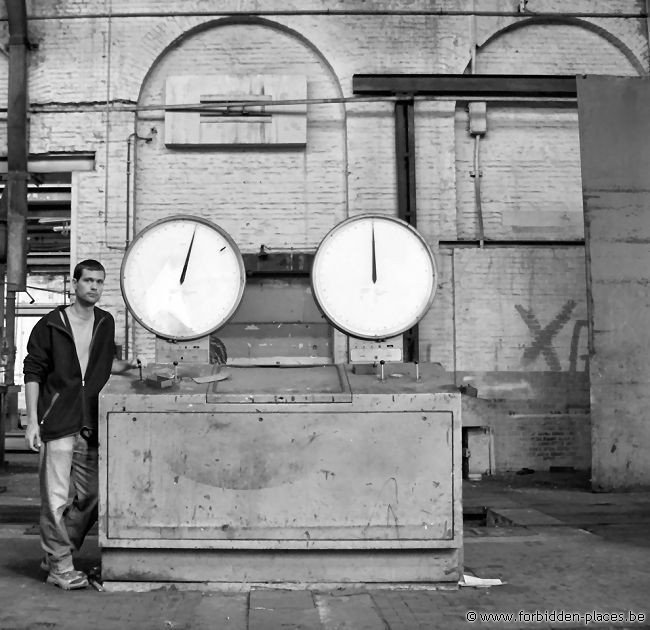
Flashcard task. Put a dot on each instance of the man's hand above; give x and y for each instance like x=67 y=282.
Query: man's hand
x=120 y=366
x=33 y=436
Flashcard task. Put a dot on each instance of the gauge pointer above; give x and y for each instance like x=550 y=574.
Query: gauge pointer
x=374 y=258
x=187 y=258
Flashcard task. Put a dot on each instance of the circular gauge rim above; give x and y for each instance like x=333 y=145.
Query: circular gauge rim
x=190 y=218
x=381 y=217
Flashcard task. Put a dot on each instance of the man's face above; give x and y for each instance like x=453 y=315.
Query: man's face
x=88 y=289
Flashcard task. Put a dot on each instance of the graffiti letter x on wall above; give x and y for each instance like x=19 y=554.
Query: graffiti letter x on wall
x=543 y=337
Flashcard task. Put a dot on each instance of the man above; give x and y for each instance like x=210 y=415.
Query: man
x=70 y=356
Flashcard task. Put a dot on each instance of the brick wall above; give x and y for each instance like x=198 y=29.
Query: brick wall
x=529 y=165
x=543 y=441
x=520 y=309
x=523 y=435
x=282 y=198
x=513 y=323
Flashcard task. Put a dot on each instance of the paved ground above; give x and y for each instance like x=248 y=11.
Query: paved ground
x=560 y=549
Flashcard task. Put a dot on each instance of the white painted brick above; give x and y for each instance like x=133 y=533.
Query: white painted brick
x=529 y=161
x=435 y=170
x=494 y=290
x=436 y=330
x=372 y=179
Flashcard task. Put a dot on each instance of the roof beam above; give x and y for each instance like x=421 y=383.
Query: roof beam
x=465 y=85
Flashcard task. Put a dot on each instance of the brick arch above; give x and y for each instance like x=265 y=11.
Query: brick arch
x=284 y=198
x=237 y=21
x=498 y=38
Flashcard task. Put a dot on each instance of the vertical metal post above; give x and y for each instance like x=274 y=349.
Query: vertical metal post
x=15 y=194
x=405 y=154
x=3 y=387
x=406 y=203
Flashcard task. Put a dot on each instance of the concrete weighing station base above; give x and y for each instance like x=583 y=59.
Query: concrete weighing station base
x=283 y=474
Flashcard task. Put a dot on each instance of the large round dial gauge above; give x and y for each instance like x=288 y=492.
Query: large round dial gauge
x=182 y=277
x=373 y=276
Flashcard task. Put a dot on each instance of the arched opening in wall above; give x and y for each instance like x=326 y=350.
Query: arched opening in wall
x=259 y=150
x=519 y=193
x=528 y=155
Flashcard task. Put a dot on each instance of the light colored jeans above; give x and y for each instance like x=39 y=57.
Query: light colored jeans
x=65 y=463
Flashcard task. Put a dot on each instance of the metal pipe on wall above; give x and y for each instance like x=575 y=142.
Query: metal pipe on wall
x=127 y=239
x=369 y=12
x=109 y=48
x=131 y=159
x=477 y=129
x=478 y=201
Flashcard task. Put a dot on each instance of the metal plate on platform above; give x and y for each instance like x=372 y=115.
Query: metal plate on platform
x=295 y=384
x=364 y=351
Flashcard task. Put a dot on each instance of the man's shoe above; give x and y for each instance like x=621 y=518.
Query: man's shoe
x=68 y=581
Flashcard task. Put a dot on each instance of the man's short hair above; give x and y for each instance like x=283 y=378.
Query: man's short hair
x=90 y=265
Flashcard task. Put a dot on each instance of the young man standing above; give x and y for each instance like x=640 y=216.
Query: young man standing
x=70 y=356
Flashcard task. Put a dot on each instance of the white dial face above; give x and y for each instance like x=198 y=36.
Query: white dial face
x=182 y=277
x=373 y=276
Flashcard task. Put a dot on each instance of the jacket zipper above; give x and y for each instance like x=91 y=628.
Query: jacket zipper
x=90 y=346
x=47 y=411
x=83 y=400
x=83 y=376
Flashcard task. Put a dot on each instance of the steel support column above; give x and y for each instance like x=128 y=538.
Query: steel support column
x=14 y=201
x=406 y=203
x=16 y=189
x=405 y=87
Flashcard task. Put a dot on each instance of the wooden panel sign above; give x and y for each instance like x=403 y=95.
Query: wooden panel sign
x=242 y=113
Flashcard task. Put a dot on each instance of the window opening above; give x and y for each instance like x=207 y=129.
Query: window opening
x=48 y=258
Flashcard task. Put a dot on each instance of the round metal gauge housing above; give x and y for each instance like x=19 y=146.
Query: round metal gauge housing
x=373 y=276
x=182 y=277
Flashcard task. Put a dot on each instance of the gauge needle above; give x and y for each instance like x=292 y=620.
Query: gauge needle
x=374 y=258
x=187 y=258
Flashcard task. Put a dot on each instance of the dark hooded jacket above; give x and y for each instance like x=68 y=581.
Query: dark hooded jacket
x=68 y=400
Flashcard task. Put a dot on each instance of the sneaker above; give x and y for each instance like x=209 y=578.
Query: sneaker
x=68 y=581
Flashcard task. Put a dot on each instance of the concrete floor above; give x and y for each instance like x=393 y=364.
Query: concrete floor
x=559 y=549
